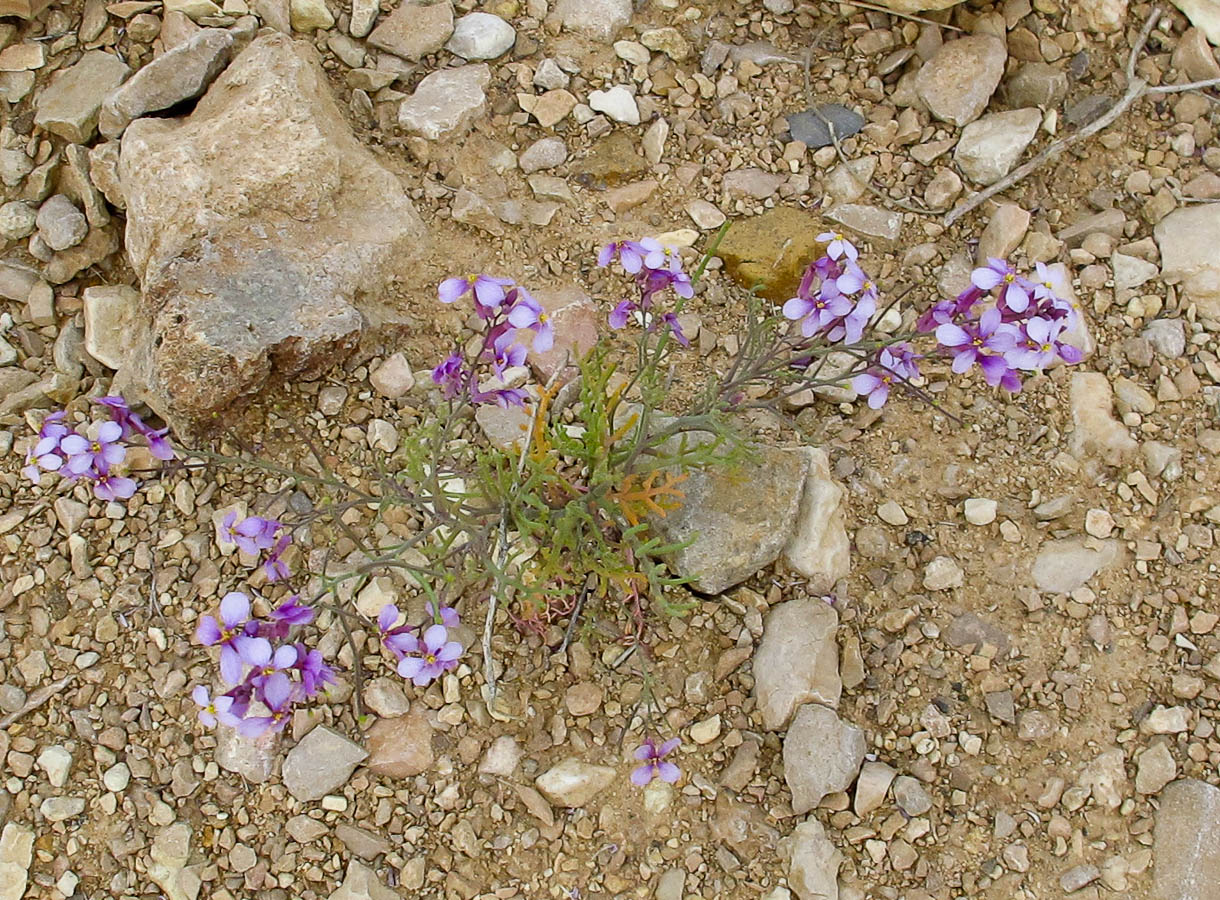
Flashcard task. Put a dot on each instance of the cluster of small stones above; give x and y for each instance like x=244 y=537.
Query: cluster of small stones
x=1027 y=650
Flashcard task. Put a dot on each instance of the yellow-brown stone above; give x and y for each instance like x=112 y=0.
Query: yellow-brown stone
x=770 y=252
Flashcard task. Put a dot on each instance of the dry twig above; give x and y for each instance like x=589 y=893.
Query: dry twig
x=1137 y=89
x=36 y=699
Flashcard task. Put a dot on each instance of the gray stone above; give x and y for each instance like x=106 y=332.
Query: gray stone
x=182 y=73
x=17 y=220
x=737 y=518
x=170 y=853
x=1096 y=432
x=364 y=14
x=572 y=783
x=971 y=631
x=362 y=842
x=1188 y=239
x=250 y=272
x=56 y=761
x=819 y=548
x=447 y=102
x=961 y=76
x=1187 y=856
x=810 y=128
x=480 y=35
x=1036 y=84
x=60 y=223
x=361 y=883
x=883 y=225
x=1078 y=877
x=393 y=379
x=1156 y=768
x=1063 y=566
x=813 y=862
x=910 y=796
x=415 y=29
x=545 y=153
x=752 y=181
x=501 y=758
x=797 y=660
x=1167 y=337
x=1105 y=778
x=60 y=809
x=320 y=763
x=1130 y=272
x=549 y=76
x=990 y=146
x=70 y=104
x=872 y=786
x=597 y=19
x=822 y=754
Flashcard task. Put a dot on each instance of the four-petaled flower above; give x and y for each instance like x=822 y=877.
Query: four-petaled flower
x=98 y=454
x=487 y=289
x=213 y=710
x=431 y=657
x=998 y=273
x=837 y=246
x=528 y=313
x=230 y=633
x=655 y=766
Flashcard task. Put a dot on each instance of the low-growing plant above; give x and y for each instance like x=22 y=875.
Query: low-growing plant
x=559 y=522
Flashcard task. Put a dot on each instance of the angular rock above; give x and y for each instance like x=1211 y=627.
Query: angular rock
x=819 y=548
x=182 y=73
x=872 y=786
x=254 y=760
x=16 y=854
x=447 y=102
x=1167 y=337
x=546 y=153
x=310 y=15
x=960 y=78
x=1187 y=856
x=910 y=796
x=810 y=128
x=26 y=9
x=1096 y=432
x=572 y=783
x=575 y=319
x=1063 y=566
x=738 y=518
x=60 y=223
x=70 y=104
x=1100 y=16
x=1187 y=239
x=752 y=182
x=480 y=35
x=1156 y=768
x=320 y=763
x=250 y=272
x=797 y=660
x=17 y=220
x=362 y=883
x=822 y=754
x=990 y=146
x=1105 y=777
x=882 y=225
x=170 y=853
x=401 y=747
x=1036 y=84
x=667 y=40
x=813 y=862
x=618 y=103
x=393 y=378
x=415 y=28
x=598 y=19
x=1192 y=54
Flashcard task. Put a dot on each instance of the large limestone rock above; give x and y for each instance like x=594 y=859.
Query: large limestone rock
x=797 y=660
x=1187 y=855
x=737 y=518
x=960 y=78
x=813 y=862
x=822 y=754
x=255 y=225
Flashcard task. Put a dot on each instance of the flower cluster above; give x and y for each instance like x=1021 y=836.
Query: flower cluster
x=836 y=299
x=425 y=651
x=266 y=680
x=506 y=310
x=253 y=535
x=655 y=268
x=93 y=455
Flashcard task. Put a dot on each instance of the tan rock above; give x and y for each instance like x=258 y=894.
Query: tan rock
x=400 y=747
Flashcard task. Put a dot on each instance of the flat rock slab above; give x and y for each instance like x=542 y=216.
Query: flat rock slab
x=70 y=104
x=810 y=128
x=251 y=272
x=1188 y=239
x=770 y=252
x=822 y=754
x=960 y=78
x=797 y=660
x=320 y=763
x=737 y=518
x=1065 y=565
x=1187 y=854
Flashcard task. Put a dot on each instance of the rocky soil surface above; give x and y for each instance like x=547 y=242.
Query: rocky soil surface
x=964 y=649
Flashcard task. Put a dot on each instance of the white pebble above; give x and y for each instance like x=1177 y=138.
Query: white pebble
x=980 y=511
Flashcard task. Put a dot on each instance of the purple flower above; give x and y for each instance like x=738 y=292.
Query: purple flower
x=98 y=454
x=983 y=343
x=634 y=256
x=433 y=656
x=670 y=321
x=450 y=375
x=618 y=315
x=998 y=273
x=528 y=313
x=504 y=350
x=654 y=764
x=313 y=670
x=46 y=455
x=488 y=291
x=399 y=640
x=293 y=612
x=265 y=662
x=229 y=632
x=1038 y=344
x=251 y=535
x=897 y=363
x=837 y=246
x=853 y=280
x=215 y=710
x=273 y=566
x=130 y=422
x=1049 y=284
x=276 y=695
x=112 y=487
x=446 y=615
